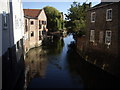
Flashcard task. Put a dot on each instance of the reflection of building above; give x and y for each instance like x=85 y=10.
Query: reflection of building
x=36 y=64
x=11 y=28
x=35 y=27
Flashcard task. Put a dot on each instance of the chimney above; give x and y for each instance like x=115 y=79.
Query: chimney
x=90 y=4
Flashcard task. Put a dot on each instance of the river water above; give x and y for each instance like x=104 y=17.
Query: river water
x=52 y=66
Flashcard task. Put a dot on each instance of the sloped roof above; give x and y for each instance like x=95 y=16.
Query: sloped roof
x=102 y=3
x=33 y=13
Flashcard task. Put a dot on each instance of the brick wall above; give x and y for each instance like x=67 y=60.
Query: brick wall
x=102 y=25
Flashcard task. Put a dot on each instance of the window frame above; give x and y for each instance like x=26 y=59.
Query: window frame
x=92 y=36
x=108 y=37
x=107 y=17
x=92 y=17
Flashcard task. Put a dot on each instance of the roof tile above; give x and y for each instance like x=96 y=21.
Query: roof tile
x=32 y=12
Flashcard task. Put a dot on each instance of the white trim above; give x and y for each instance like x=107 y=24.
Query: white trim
x=92 y=16
x=108 y=37
x=92 y=35
x=107 y=15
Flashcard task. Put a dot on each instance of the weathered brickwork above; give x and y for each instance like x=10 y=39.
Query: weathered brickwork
x=101 y=24
x=104 y=55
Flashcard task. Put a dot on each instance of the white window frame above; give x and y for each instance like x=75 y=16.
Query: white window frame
x=92 y=36
x=107 y=18
x=101 y=36
x=108 y=37
x=92 y=16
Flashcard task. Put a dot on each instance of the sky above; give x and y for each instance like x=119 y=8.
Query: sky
x=61 y=6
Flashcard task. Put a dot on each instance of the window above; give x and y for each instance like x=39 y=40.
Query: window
x=32 y=22
x=4 y=16
x=26 y=29
x=101 y=37
x=32 y=33
x=93 y=17
x=40 y=26
x=92 y=36
x=18 y=45
x=109 y=15
x=40 y=38
x=44 y=22
x=108 y=37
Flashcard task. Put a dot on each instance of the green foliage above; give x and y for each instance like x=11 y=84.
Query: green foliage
x=54 y=18
x=76 y=18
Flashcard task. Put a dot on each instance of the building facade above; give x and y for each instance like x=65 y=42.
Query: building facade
x=11 y=29
x=35 y=27
x=103 y=32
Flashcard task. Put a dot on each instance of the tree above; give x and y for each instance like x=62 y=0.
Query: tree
x=76 y=18
x=54 y=18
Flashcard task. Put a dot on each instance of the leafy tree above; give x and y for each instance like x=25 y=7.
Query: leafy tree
x=76 y=18
x=54 y=18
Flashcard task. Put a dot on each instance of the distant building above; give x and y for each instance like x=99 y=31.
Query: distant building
x=35 y=27
x=11 y=29
x=103 y=34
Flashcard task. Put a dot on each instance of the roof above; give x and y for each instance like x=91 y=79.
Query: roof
x=102 y=3
x=33 y=13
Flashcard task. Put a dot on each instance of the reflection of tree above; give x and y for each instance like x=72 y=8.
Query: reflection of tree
x=36 y=64
x=36 y=60
x=55 y=47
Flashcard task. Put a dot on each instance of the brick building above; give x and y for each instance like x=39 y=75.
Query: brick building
x=103 y=32
x=35 y=27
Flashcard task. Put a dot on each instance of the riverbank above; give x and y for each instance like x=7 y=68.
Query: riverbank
x=92 y=75
x=104 y=60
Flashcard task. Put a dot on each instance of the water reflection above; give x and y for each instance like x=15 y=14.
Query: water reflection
x=36 y=64
x=47 y=66
x=56 y=66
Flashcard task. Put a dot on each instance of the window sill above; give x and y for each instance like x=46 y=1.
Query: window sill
x=92 y=21
x=108 y=20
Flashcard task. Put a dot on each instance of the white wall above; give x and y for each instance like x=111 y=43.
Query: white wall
x=18 y=20
x=42 y=16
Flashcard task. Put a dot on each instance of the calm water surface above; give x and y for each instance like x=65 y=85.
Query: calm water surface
x=47 y=66
x=52 y=66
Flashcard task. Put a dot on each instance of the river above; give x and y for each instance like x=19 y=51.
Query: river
x=52 y=66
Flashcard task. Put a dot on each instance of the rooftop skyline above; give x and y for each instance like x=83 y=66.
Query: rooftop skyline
x=61 y=6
